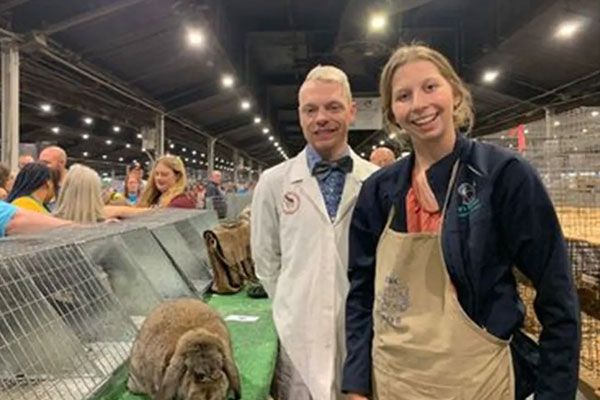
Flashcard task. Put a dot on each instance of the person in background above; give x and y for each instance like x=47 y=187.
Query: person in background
x=80 y=199
x=17 y=221
x=34 y=187
x=166 y=185
x=433 y=310
x=132 y=188
x=6 y=181
x=25 y=159
x=214 y=192
x=382 y=157
x=56 y=158
x=301 y=213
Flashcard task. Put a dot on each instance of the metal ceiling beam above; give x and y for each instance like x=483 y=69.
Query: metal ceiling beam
x=89 y=16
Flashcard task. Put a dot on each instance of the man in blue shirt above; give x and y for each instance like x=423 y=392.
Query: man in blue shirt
x=15 y=220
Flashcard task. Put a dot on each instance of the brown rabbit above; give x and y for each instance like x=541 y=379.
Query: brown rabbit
x=183 y=352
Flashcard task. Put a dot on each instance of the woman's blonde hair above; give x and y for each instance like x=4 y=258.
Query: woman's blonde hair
x=152 y=196
x=464 y=116
x=80 y=198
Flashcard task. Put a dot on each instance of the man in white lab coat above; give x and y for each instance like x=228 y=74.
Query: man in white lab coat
x=301 y=214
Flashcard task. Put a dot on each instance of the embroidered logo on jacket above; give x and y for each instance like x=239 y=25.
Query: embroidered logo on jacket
x=291 y=202
x=469 y=201
x=393 y=300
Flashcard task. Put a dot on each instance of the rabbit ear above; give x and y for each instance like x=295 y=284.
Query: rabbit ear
x=172 y=378
x=232 y=374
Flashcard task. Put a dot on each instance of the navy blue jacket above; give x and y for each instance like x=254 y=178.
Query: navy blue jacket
x=505 y=219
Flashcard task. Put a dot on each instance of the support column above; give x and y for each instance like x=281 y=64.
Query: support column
x=159 y=138
x=236 y=167
x=10 y=104
x=211 y=155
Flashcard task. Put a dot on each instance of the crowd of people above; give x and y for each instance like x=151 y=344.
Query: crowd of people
x=78 y=195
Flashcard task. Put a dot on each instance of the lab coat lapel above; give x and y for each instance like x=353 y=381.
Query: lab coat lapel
x=307 y=184
x=351 y=187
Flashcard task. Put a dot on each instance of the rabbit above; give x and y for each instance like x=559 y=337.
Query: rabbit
x=183 y=352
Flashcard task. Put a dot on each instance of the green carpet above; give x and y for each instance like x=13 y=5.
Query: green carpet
x=254 y=348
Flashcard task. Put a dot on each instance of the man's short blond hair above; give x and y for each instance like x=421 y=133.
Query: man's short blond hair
x=329 y=73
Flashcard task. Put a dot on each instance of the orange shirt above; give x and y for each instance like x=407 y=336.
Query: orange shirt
x=423 y=213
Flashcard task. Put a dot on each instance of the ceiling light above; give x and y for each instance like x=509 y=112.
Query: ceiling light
x=45 y=107
x=392 y=136
x=490 y=75
x=187 y=159
x=245 y=104
x=128 y=145
x=381 y=142
x=526 y=130
x=143 y=149
x=227 y=81
x=120 y=159
x=183 y=149
x=140 y=136
x=265 y=130
x=378 y=22
x=202 y=155
x=194 y=161
x=195 y=37
x=276 y=144
x=172 y=146
x=109 y=142
x=104 y=156
x=374 y=147
x=257 y=120
x=595 y=113
x=194 y=152
x=567 y=29
x=55 y=129
x=85 y=136
x=584 y=130
x=556 y=123
x=271 y=138
x=116 y=129
x=85 y=154
x=362 y=154
x=88 y=120
x=147 y=163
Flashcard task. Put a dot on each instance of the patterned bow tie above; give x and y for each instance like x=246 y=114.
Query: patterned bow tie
x=323 y=168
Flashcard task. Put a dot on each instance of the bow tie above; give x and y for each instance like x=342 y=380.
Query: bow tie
x=323 y=168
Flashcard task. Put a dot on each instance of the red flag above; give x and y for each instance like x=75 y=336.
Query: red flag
x=519 y=132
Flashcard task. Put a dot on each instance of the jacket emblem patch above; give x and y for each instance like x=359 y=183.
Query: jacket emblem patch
x=393 y=300
x=291 y=202
x=469 y=201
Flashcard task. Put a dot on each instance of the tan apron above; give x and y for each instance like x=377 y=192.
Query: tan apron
x=425 y=347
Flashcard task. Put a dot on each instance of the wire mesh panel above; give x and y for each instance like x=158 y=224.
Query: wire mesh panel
x=565 y=149
x=55 y=299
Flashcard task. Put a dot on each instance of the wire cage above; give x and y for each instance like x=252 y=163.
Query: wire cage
x=565 y=149
x=62 y=330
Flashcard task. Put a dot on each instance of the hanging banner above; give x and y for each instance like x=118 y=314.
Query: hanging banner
x=368 y=114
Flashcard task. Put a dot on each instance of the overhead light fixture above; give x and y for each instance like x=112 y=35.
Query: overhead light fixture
x=194 y=152
x=227 y=81
x=490 y=76
x=127 y=145
x=378 y=22
x=116 y=129
x=202 y=155
x=526 y=131
x=245 y=104
x=108 y=141
x=183 y=149
x=140 y=136
x=271 y=138
x=121 y=159
x=195 y=37
x=104 y=156
x=584 y=130
x=172 y=146
x=88 y=120
x=595 y=113
x=85 y=136
x=45 y=107
x=187 y=159
x=257 y=120
x=374 y=147
x=143 y=149
x=194 y=161
x=276 y=144
x=85 y=154
x=362 y=154
x=55 y=129
x=567 y=29
x=556 y=123
x=265 y=130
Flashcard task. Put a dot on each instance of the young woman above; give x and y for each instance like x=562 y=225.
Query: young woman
x=166 y=185
x=433 y=310
x=133 y=188
x=80 y=199
x=35 y=186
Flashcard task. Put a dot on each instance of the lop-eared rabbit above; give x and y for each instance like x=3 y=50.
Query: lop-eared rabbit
x=183 y=352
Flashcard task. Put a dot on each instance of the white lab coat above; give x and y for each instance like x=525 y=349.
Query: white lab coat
x=301 y=259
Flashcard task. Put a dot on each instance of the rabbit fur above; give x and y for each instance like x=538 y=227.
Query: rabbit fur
x=183 y=352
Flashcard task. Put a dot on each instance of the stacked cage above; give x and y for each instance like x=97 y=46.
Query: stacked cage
x=565 y=149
